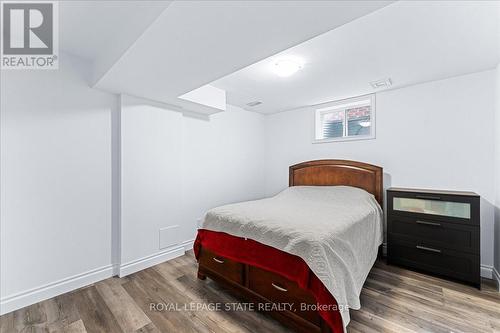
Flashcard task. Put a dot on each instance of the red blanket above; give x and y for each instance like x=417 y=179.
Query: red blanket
x=253 y=253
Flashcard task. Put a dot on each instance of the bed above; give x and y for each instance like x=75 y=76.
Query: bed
x=303 y=255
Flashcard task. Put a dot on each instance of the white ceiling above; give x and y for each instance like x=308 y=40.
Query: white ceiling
x=194 y=42
x=101 y=31
x=409 y=41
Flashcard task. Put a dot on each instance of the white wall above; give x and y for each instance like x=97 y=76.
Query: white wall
x=76 y=162
x=497 y=177
x=56 y=182
x=151 y=143
x=432 y=135
x=223 y=162
x=174 y=168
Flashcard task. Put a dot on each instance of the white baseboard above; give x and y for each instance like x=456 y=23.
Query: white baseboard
x=487 y=271
x=28 y=297
x=155 y=259
x=496 y=276
x=188 y=245
x=20 y=300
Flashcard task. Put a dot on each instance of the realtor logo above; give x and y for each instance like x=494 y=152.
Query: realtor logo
x=29 y=35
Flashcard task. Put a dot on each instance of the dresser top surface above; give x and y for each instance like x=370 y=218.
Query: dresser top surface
x=428 y=191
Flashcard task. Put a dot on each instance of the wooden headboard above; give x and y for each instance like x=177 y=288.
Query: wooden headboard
x=339 y=172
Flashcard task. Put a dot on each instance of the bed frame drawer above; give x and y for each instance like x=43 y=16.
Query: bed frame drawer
x=278 y=289
x=224 y=267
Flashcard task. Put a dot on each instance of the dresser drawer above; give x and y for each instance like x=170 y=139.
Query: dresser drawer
x=278 y=289
x=450 y=263
x=435 y=233
x=227 y=268
x=435 y=206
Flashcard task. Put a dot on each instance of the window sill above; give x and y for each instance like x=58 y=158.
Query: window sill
x=367 y=137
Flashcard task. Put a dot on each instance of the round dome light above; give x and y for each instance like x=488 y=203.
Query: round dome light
x=287 y=67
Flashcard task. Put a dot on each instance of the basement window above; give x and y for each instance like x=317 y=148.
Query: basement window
x=348 y=119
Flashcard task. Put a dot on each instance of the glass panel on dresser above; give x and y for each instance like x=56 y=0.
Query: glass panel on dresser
x=435 y=207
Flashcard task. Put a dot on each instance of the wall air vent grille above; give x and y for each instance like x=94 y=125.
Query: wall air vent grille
x=379 y=84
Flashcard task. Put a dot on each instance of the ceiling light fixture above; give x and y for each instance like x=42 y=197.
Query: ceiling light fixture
x=287 y=66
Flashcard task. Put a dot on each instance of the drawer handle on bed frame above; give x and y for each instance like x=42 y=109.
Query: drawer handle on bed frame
x=217 y=260
x=430 y=249
x=429 y=223
x=278 y=287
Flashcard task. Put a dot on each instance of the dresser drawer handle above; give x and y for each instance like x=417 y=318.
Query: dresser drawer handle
x=429 y=197
x=278 y=287
x=429 y=223
x=217 y=260
x=430 y=249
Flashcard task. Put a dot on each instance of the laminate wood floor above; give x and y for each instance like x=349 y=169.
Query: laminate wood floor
x=393 y=300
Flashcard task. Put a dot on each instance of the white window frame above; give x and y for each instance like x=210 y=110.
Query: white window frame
x=340 y=104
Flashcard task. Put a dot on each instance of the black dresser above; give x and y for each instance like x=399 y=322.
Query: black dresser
x=435 y=231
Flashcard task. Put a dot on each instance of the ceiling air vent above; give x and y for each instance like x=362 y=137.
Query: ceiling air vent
x=379 y=84
x=255 y=103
